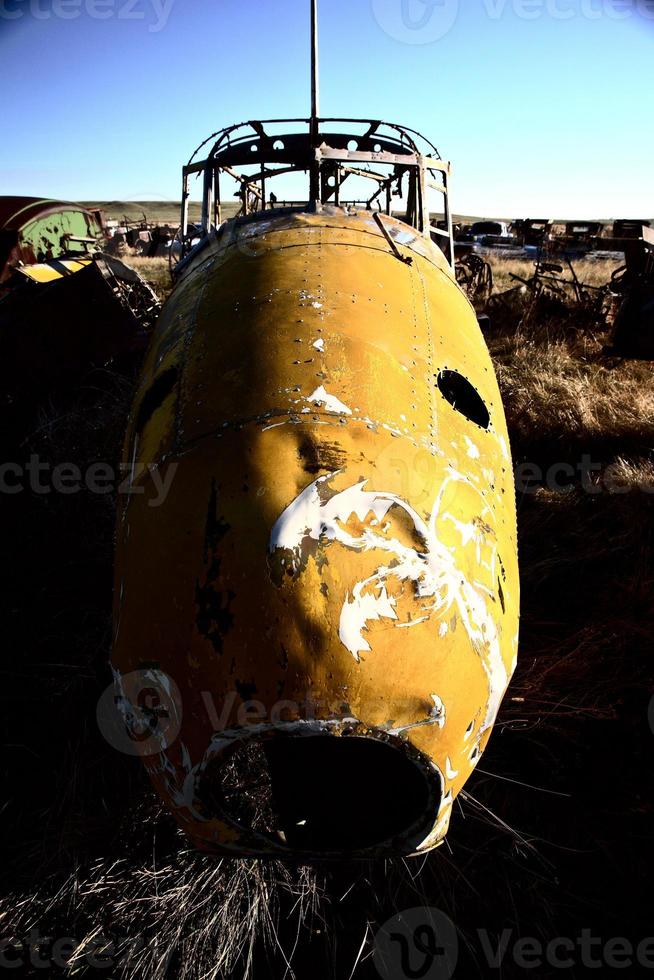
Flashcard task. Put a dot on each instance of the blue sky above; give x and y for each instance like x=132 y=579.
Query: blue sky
x=541 y=105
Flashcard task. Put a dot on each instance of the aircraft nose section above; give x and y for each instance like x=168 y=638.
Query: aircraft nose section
x=339 y=533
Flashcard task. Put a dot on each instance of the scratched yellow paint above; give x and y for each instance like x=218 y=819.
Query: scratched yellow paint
x=335 y=529
x=57 y=269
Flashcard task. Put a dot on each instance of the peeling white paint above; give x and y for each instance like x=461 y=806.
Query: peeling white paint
x=358 y=612
x=322 y=397
x=450 y=772
x=318 y=514
x=435 y=717
x=412 y=622
x=473 y=451
x=275 y=425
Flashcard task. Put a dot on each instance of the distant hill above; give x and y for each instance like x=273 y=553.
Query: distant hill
x=167 y=212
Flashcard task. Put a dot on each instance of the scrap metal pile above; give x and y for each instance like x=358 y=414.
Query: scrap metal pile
x=528 y=237
x=475 y=276
x=632 y=294
x=150 y=239
x=65 y=305
x=554 y=291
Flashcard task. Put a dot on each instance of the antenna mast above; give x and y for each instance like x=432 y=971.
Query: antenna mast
x=315 y=93
x=315 y=100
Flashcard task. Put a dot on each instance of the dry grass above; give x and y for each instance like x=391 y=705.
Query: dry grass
x=155 y=271
x=184 y=916
x=565 y=389
x=593 y=272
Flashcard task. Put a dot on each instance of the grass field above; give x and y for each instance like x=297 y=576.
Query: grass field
x=553 y=834
x=155 y=271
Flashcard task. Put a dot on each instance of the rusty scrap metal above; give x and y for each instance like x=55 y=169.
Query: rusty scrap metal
x=62 y=317
x=624 y=233
x=62 y=297
x=255 y=153
x=550 y=293
x=632 y=292
x=532 y=232
x=581 y=236
x=35 y=230
x=554 y=291
x=630 y=228
x=475 y=276
x=132 y=291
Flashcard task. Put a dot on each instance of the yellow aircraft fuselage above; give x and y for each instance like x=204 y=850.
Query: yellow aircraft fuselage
x=335 y=561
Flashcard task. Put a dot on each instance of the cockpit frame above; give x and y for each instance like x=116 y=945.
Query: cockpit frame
x=397 y=161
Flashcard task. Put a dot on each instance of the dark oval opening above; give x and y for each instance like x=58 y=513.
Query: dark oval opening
x=463 y=397
x=323 y=793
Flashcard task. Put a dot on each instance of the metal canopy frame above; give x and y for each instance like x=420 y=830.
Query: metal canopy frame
x=328 y=151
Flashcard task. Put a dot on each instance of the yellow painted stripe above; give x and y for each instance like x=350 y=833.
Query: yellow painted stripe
x=57 y=269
